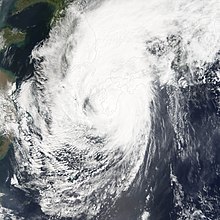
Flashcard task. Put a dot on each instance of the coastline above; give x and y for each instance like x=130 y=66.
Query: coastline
x=20 y=5
x=5 y=78
x=4 y=146
x=22 y=28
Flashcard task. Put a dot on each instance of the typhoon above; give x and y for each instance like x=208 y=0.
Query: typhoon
x=104 y=127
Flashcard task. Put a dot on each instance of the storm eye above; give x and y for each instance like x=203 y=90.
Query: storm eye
x=87 y=106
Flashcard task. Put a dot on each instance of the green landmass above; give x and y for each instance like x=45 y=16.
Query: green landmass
x=4 y=146
x=12 y=36
x=5 y=77
x=20 y=5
